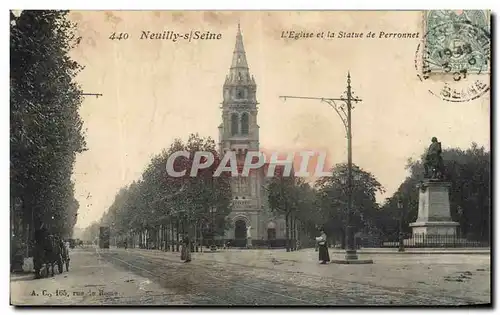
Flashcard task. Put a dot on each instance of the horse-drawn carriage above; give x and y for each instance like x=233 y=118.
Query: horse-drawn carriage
x=50 y=250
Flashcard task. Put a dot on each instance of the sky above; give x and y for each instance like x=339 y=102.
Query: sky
x=157 y=90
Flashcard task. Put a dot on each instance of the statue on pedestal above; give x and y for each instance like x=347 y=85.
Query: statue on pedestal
x=434 y=215
x=433 y=165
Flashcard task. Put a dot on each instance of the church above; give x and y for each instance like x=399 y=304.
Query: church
x=239 y=132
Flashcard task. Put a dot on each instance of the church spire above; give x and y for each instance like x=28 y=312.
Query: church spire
x=239 y=85
x=239 y=73
x=239 y=56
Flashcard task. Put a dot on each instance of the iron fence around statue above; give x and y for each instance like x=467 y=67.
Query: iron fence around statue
x=435 y=241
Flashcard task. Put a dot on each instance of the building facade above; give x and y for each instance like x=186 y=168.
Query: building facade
x=239 y=132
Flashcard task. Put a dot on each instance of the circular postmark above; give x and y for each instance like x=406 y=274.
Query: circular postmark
x=453 y=60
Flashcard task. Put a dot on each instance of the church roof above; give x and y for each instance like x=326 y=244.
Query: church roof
x=239 y=73
x=239 y=55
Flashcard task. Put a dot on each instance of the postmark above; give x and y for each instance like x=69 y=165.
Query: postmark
x=453 y=58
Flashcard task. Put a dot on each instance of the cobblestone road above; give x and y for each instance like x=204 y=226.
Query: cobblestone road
x=262 y=278
x=239 y=279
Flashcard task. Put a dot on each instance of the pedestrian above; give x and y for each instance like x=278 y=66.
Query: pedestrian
x=324 y=257
x=186 y=249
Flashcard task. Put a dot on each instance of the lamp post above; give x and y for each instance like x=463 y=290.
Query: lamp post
x=213 y=210
x=460 y=213
x=344 y=112
x=401 y=218
x=112 y=231
x=204 y=227
x=356 y=177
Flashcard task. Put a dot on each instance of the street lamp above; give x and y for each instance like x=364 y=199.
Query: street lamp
x=401 y=218
x=343 y=182
x=460 y=213
x=204 y=227
x=344 y=112
x=213 y=210
x=356 y=177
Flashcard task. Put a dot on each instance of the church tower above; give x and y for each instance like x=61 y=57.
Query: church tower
x=239 y=131
x=253 y=222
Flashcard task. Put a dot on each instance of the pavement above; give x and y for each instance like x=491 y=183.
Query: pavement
x=91 y=280
x=440 y=251
x=262 y=277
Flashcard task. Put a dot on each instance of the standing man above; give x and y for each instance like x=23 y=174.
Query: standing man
x=186 y=249
x=324 y=257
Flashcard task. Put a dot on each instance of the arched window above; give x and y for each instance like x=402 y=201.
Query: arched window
x=234 y=124
x=244 y=123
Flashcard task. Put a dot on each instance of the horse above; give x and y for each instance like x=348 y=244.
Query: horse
x=47 y=254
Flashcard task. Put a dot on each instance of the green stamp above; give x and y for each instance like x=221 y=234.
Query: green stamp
x=457 y=41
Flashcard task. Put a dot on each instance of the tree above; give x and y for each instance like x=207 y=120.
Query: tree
x=294 y=199
x=91 y=233
x=308 y=212
x=46 y=129
x=281 y=200
x=333 y=199
x=470 y=192
x=160 y=206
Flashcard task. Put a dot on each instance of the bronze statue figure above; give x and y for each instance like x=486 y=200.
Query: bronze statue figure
x=433 y=165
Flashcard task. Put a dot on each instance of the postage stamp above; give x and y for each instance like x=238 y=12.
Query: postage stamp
x=455 y=54
x=457 y=40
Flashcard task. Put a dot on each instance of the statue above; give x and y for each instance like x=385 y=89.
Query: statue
x=249 y=235
x=433 y=165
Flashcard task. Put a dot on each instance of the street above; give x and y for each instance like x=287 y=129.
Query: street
x=258 y=277
x=134 y=131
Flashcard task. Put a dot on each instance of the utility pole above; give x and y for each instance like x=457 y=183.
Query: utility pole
x=344 y=112
x=401 y=218
x=287 y=215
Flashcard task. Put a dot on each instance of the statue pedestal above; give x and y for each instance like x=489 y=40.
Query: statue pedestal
x=249 y=242
x=434 y=217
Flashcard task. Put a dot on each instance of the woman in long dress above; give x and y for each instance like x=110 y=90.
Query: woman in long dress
x=324 y=257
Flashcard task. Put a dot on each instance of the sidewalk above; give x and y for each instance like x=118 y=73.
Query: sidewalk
x=90 y=281
x=251 y=256
x=441 y=251
x=463 y=276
